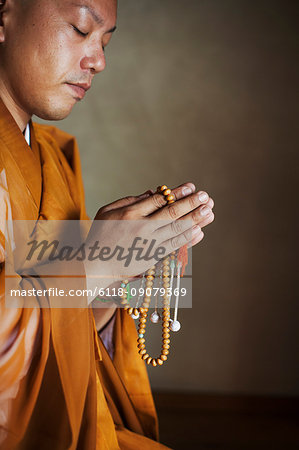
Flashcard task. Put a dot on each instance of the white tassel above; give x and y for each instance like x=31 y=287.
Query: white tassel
x=175 y=324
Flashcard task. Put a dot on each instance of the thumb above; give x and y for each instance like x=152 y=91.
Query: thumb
x=125 y=201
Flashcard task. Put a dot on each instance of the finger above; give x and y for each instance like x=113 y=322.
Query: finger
x=196 y=240
x=184 y=238
x=210 y=203
x=157 y=201
x=181 y=207
x=202 y=216
x=126 y=201
x=206 y=220
x=175 y=228
x=183 y=191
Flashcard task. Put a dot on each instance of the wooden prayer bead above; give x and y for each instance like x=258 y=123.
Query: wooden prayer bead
x=170 y=197
x=142 y=311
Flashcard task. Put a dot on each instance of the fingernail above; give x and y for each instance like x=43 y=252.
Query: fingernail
x=186 y=191
x=205 y=211
x=203 y=196
x=196 y=228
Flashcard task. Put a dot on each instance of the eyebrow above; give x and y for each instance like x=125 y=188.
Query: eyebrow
x=98 y=19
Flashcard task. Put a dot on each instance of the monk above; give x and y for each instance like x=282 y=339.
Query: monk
x=70 y=378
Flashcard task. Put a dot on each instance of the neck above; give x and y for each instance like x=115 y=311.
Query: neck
x=20 y=116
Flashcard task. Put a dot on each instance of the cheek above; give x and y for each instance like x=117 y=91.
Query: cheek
x=52 y=59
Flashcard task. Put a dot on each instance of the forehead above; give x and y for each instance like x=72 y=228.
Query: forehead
x=98 y=9
x=103 y=12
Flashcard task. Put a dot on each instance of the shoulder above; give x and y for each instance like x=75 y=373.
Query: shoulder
x=58 y=138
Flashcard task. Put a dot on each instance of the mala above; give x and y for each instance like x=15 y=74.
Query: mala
x=175 y=260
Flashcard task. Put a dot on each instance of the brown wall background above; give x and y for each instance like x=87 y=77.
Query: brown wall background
x=205 y=91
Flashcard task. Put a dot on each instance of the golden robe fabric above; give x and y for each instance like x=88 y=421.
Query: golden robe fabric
x=59 y=388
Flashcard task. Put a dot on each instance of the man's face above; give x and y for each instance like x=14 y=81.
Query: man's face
x=51 y=50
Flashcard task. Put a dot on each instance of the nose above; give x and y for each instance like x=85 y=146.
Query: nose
x=95 y=61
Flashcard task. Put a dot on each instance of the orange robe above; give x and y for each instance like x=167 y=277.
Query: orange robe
x=59 y=388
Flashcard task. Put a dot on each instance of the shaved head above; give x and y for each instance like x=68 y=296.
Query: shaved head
x=50 y=50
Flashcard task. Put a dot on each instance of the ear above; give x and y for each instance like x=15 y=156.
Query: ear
x=2 y=11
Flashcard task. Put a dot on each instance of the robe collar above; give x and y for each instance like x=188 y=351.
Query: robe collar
x=27 y=158
x=26 y=134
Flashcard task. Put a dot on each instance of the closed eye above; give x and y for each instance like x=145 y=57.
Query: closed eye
x=79 y=32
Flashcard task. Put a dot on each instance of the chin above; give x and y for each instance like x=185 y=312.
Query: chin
x=55 y=113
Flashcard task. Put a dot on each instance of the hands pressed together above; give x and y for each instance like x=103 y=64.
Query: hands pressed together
x=172 y=226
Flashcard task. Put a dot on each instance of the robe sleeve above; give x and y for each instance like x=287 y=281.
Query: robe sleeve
x=18 y=326
x=106 y=334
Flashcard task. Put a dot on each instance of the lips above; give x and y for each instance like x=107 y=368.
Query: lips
x=79 y=89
